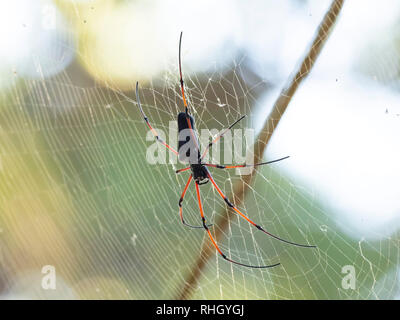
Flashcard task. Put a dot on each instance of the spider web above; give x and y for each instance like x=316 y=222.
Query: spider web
x=77 y=193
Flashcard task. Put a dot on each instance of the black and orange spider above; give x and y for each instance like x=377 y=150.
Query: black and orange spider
x=199 y=171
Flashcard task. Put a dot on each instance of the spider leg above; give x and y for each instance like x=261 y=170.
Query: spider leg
x=220 y=136
x=184 y=98
x=180 y=75
x=180 y=206
x=149 y=125
x=250 y=221
x=214 y=242
x=181 y=170
x=244 y=165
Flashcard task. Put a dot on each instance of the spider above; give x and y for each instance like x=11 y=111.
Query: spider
x=199 y=170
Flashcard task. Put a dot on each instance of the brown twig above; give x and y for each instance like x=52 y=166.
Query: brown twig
x=240 y=189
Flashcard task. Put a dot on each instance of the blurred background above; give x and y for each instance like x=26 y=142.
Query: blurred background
x=77 y=193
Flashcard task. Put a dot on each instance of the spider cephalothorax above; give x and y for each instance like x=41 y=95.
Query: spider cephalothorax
x=189 y=152
x=199 y=173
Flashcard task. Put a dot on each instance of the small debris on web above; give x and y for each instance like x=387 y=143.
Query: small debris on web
x=324 y=228
x=219 y=104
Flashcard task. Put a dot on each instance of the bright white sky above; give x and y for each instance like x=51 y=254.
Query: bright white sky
x=33 y=40
x=343 y=134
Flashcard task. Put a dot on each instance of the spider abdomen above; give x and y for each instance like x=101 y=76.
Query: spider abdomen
x=187 y=140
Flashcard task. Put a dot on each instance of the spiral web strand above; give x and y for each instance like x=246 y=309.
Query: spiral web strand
x=122 y=213
x=77 y=193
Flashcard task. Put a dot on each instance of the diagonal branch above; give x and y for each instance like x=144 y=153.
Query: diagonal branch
x=240 y=189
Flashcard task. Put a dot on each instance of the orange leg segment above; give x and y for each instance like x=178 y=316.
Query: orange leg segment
x=215 y=243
